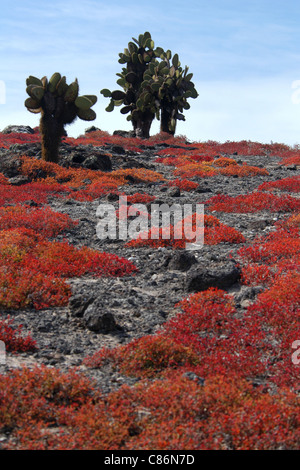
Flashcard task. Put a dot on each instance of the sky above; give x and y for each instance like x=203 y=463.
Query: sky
x=245 y=57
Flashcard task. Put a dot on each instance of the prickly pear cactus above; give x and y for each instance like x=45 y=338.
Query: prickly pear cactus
x=136 y=59
x=153 y=85
x=59 y=105
x=170 y=86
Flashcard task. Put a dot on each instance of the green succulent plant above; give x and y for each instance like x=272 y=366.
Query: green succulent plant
x=153 y=85
x=136 y=58
x=59 y=105
x=171 y=86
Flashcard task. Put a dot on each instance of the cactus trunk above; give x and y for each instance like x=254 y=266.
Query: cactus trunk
x=51 y=131
x=59 y=104
x=142 y=125
x=167 y=121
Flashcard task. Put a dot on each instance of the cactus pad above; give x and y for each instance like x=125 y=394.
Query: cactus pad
x=82 y=102
x=72 y=92
x=86 y=114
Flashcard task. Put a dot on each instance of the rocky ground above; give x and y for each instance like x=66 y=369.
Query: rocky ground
x=108 y=312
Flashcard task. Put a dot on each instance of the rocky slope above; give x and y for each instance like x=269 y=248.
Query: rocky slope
x=111 y=311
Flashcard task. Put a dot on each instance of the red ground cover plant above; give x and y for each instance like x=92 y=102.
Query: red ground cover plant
x=289 y=155
x=273 y=261
x=272 y=255
x=139 y=198
x=146 y=356
x=291 y=158
x=188 y=231
x=253 y=202
x=13 y=338
x=223 y=162
x=34 y=192
x=135 y=144
x=257 y=344
x=33 y=269
x=178 y=145
x=184 y=184
x=279 y=305
x=41 y=192
x=6 y=140
x=65 y=412
x=247 y=148
x=83 y=184
x=102 y=138
x=194 y=170
x=182 y=159
x=277 y=308
x=206 y=337
x=224 y=343
x=76 y=183
x=3 y=179
x=166 y=155
x=290 y=184
x=242 y=170
x=139 y=175
x=42 y=220
x=97 y=189
x=164 y=137
x=199 y=375
x=189 y=166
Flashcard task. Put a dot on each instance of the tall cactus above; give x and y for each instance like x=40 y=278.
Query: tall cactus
x=59 y=105
x=136 y=58
x=172 y=86
x=154 y=85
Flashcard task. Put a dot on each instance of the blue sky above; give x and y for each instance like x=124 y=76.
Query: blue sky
x=245 y=57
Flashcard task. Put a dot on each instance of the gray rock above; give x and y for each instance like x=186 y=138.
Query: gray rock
x=18 y=180
x=259 y=224
x=118 y=149
x=18 y=129
x=78 y=304
x=181 y=261
x=91 y=129
x=97 y=161
x=248 y=293
x=202 y=189
x=124 y=133
x=10 y=165
x=98 y=320
x=219 y=275
x=192 y=376
x=173 y=192
x=77 y=157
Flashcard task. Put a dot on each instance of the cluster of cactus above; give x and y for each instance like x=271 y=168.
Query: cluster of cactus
x=153 y=86
x=59 y=105
x=136 y=58
x=172 y=86
x=167 y=87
